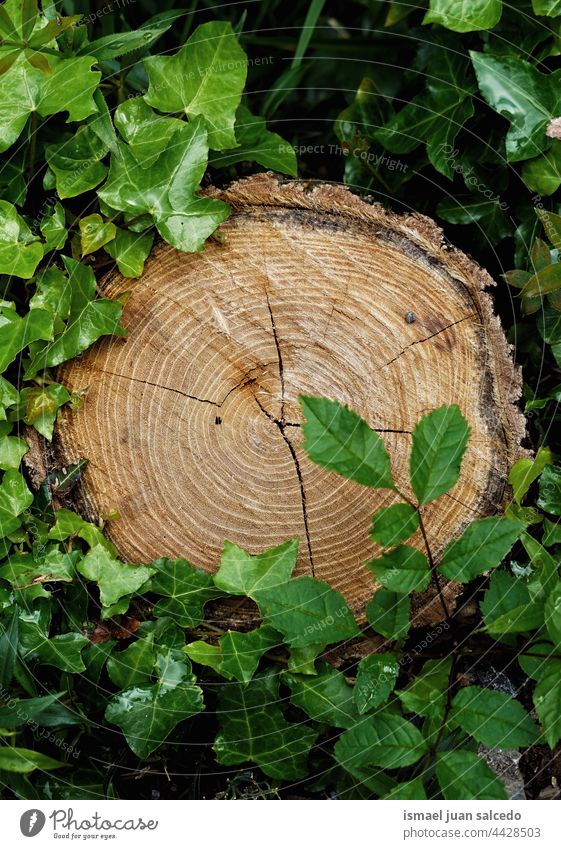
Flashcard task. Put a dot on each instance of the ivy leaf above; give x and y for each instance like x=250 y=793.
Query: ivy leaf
x=258 y=144
x=185 y=589
x=8 y=650
x=69 y=524
x=19 y=331
x=543 y=173
x=525 y=96
x=53 y=228
x=241 y=652
x=147 y=713
x=114 y=579
x=53 y=292
x=439 y=443
x=375 y=679
x=95 y=232
x=68 y=88
x=253 y=728
x=76 y=162
x=206 y=77
x=460 y=16
x=551 y=533
x=42 y=710
x=338 y=439
x=307 y=611
x=549 y=498
x=41 y=406
x=526 y=471
x=481 y=547
x=553 y=615
x=547 y=700
x=386 y=740
x=493 y=718
x=148 y=134
x=241 y=573
x=426 y=694
x=12 y=449
x=8 y=395
x=167 y=189
x=326 y=697
x=402 y=570
x=133 y=665
x=470 y=209
x=130 y=251
x=388 y=614
x=89 y=318
x=20 y=760
x=551 y=8
x=394 y=524
x=20 y=250
x=64 y=651
x=54 y=565
x=463 y=775
x=15 y=497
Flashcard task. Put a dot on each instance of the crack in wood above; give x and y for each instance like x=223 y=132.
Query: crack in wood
x=279 y=354
x=218 y=404
x=426 y=339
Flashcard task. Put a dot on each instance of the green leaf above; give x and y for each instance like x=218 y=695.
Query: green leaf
x=64 y=651
x=552 y=226
x=426 y=694
x=47 y=711
x=413 y=789
x=18 y=332
x=130 y=251
x=53 y=228
x=307 y=611
x=8 y=396
x=463 y=775
x=20 y=250
x=553 y=615
x=120 y=43
x=185 y=589
x=549 y=498
x=525 y=96
x=551 y=8
x=543 y=173
x=147 y=713
x=241 y=573
x=526 y=471
x=375 y=679
x=42 y=404
x=89 y=318
x=69 y=524
x=506 y=606
x=547 y=700
x=68 y=88
x=394 y=524
x=167 y=189
x=257 y=144
x=25 y=760
x=114 y=579
x=338 y=439
x=15 y=497
x=8 y=651
x=76 y=162
x=384 y=740
x=51 y=565
x=95 y=232
x=326 y=697
x=493 y=718
x=439 y=443
x=402 y=570
x=388 y=614
x=464 y=15
x=470 y=209
x=543 y=282
x=148 y=134
x=206 y=77
x=253 y=728
x=12 y=449
x=551 y=533
x=482 y=546
x=133 y=665
x=241 y=652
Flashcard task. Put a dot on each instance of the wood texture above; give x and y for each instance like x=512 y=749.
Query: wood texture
x=191 y=424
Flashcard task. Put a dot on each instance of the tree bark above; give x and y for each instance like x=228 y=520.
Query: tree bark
x=192 y=424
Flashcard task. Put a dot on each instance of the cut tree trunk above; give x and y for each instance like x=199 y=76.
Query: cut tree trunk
x=192 y=424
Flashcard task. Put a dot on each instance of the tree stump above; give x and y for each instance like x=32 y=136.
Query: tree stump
x=192 y=424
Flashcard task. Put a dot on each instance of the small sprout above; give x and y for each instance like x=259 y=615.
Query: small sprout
x=410 y=317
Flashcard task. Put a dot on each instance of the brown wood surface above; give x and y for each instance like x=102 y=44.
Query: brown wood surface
x=192 y=424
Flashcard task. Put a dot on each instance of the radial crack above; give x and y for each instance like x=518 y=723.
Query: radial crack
x=245 y=382
x=281 y=426
x=279 y=354
x=426 y=339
